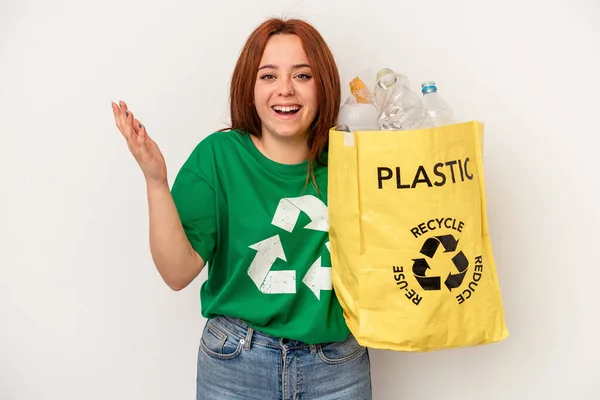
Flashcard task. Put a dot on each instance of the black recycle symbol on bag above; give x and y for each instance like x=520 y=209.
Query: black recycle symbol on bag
x=420 y=265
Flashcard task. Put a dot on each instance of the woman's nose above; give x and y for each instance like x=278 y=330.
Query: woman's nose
x=286 y=88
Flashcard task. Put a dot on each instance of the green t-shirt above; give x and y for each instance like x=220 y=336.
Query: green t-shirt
x=264 y=235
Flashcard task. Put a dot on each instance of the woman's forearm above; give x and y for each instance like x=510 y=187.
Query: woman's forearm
x=175 y=258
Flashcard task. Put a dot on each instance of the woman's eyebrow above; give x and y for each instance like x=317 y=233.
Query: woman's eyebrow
x=296 y=66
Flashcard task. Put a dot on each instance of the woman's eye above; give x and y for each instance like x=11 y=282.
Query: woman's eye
x=267 y=77
x=304 y=76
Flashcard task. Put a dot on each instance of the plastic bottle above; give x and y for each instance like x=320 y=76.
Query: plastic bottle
x=438 y=111
x=358 y=117
x=399 y=107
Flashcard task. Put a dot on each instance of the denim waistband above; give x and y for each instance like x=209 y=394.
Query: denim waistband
x=249 y=336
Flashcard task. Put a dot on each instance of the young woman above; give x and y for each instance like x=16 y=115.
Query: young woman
x=251 y=202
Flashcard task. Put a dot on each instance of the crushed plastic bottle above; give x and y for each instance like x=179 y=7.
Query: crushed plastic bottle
x=358 y=117
x=438 y=111
x=399 y=107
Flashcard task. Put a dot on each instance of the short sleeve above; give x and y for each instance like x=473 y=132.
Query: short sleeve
x=195 y=200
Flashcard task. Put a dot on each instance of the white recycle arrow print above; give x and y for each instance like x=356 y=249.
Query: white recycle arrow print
x=288 y=211
x=318 y=277
x=269 y=250
x=267 y=281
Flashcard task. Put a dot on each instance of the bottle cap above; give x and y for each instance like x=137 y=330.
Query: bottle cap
x=386 y=78
x=428 y=87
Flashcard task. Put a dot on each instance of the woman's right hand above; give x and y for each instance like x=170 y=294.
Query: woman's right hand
x=144 y=149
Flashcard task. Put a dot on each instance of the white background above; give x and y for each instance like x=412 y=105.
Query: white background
x=83 y=312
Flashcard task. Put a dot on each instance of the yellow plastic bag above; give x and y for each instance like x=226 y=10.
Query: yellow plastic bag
x=412 y=262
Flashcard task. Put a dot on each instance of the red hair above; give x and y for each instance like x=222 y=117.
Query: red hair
x=325 y=73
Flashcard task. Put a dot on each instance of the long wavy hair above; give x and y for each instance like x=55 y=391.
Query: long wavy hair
x=244 y=116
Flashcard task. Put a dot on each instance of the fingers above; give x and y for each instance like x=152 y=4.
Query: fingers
x=137 y=126
x=116 y=110
x=121 y=116
x=141 y=141
x=127 y=122
x=142 y=131
x=128 y=126
x=133 y=130
x=117 y=113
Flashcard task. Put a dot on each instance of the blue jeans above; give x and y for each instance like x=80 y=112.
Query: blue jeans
x=237 y=362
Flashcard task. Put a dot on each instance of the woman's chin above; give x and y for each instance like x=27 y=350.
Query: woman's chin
x=290 y=132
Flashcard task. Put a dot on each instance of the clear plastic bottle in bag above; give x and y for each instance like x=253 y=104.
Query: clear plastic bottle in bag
x=438 y=111
x=399 y=107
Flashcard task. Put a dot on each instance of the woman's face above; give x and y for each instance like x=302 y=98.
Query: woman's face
x=285 y=95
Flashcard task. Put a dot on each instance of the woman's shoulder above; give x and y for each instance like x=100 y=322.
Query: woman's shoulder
x=224 y=138
x=212 y=147
x=220 y=142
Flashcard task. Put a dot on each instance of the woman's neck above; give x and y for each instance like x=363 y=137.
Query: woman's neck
x=291 y=150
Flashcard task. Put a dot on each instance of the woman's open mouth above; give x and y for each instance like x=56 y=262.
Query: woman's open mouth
x=286 y=110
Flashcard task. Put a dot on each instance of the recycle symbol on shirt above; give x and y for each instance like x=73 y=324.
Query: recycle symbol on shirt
x=269 y=250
